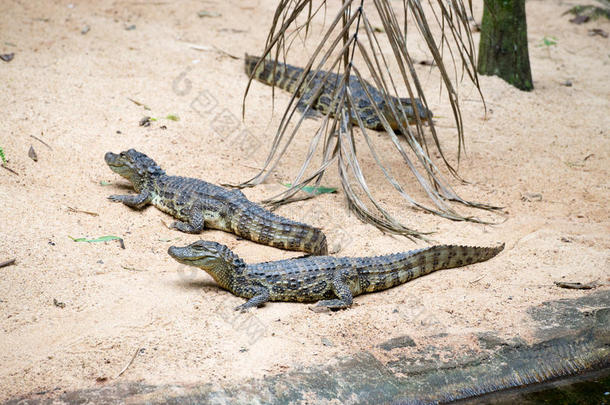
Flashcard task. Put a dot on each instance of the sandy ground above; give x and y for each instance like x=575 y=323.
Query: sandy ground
x=543 y=155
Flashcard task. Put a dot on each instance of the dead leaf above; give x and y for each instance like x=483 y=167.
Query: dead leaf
x=32 y=154
x=598 y=31
x=580 y=19
x=7 y=57
x=59 y=304
x=145 y=122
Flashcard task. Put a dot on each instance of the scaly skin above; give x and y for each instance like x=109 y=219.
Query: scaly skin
x=287 y=78
x=198 y=205
x=333 y=281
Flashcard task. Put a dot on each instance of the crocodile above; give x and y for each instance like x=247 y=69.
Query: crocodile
x=198 y=205
x=333 y=281
x=287 y=78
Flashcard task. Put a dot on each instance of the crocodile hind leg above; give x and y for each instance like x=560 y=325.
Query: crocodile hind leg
x=133 y=201
x=262 y=296
x=341 y=290
x=195 y=222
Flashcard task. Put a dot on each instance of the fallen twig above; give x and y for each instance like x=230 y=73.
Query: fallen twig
x=477 y=280
x=41 y=141
x=131 y=268
x=95 y=214
x=250 y=167
x=10 y=170
x=129 y=364
x=138 y=103
x=7 y=263
x=576 y=286
x=226 y=53
x=206 y=48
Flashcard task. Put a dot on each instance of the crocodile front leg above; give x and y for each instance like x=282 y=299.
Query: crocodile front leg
x=262 y=296
x=195 y=222
x=136 y=201
x=341 y=290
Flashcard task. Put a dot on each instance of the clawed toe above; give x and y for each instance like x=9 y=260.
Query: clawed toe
x=319 y=308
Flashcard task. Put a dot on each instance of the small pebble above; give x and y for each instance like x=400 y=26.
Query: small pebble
x=326 y=342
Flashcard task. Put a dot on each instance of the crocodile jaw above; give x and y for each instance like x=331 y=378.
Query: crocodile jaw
x=113 y=161
x=184 y=255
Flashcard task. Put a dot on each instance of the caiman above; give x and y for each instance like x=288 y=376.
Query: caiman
x=333 y=281
x=198 y=205
x=287 y=78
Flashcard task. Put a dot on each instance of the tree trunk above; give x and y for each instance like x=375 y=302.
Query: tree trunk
x=503 y=48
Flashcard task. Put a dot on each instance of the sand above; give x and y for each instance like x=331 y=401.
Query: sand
x=543 y=155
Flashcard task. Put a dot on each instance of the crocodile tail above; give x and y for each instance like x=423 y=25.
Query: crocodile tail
x=317 y=241
x=278 y=74
x=392 y=270
x=250 y=63
x=450 y=256
x=259 y=225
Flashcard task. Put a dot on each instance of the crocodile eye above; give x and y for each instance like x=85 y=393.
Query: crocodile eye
x=198 y=245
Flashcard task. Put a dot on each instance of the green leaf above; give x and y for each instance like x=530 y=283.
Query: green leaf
x=2 y=156
x=100 y=239
x=205 y=13
x=548 y=41
x=173 y=117
x=316 y=190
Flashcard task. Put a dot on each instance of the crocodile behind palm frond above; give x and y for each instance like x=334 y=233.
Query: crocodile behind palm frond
x=287 y=77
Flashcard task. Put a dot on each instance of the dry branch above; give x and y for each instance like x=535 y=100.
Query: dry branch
x=333 y=70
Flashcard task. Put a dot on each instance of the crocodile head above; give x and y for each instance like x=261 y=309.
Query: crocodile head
x=216 y=259
x=134 y=166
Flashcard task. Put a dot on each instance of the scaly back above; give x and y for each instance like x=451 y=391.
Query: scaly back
x=281 y=75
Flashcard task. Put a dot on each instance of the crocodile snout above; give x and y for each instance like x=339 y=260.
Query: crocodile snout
x=110 y=157
x=173 y=251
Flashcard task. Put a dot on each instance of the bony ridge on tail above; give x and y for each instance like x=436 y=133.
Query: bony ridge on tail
x=198 y=205
x=333 y=281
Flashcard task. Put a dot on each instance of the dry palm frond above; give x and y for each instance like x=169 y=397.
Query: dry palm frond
x=350 y=37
